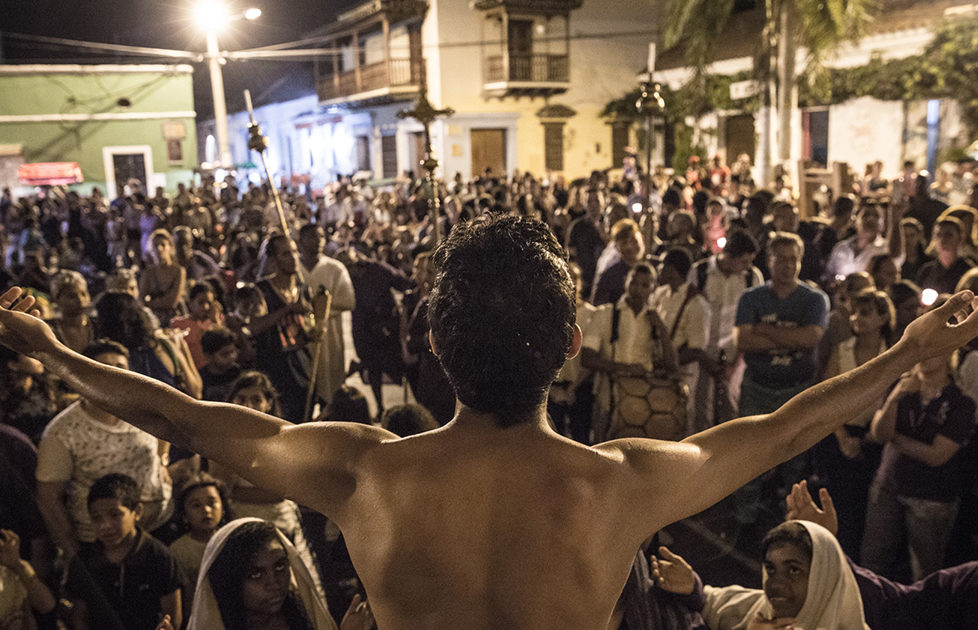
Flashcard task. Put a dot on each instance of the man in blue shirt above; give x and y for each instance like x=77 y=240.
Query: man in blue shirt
x=777 y=328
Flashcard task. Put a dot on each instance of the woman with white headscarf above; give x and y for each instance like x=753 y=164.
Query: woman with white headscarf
x=807 y=585
x=252 y=577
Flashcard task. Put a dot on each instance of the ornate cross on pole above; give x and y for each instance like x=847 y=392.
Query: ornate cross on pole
x=426 y=114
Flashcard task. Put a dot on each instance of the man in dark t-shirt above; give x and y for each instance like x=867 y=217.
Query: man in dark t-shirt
x=913 y=501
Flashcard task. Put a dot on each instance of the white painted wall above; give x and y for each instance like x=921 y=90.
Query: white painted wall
x=866 y=129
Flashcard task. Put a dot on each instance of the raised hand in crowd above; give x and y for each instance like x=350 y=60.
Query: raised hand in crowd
x=672 y=573
x=802 y=507
x=358 y=616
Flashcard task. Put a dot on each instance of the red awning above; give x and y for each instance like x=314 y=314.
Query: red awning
x=50 y=173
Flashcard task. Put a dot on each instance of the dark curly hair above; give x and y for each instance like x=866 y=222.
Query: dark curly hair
x=121 y=319
x=502 y=314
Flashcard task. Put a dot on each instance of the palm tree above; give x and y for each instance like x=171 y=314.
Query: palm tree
x=815 y=26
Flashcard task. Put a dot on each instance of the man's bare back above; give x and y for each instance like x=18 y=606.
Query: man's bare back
x=480 y=527
x=493 y=521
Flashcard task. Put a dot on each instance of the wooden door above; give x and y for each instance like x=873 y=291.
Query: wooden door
x=488 y=151
x=520 y=42
x=739 y=136
x=388 y=153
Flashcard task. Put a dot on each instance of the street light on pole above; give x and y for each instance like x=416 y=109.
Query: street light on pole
x=650 y=104
x=213 y=16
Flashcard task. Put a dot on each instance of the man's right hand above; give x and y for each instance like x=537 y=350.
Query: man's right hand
x=21 y=328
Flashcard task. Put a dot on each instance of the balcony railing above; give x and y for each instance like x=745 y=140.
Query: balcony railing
x=540 y=68
x=372 y=77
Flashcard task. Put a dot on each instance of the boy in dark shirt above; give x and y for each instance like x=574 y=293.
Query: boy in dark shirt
x=222 y=367
x=126 y=579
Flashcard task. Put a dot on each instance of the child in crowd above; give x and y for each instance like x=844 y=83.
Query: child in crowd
x=205 y=314
x=201 y=508
x=247 y=303
x=127 y=579
x=20 y=588
x=221 y=369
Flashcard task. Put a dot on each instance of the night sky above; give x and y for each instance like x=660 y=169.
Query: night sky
x=164 y=24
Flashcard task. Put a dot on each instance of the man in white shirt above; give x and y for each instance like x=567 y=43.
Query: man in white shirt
x=854 y=253
x=686 y=315
x=619 y=341
x=721 y=279
x=320 y=271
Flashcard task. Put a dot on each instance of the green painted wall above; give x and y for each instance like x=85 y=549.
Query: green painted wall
x=98 y=93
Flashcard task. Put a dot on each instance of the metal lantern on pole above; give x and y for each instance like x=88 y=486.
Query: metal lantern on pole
x=649 y=104
x=425 y=113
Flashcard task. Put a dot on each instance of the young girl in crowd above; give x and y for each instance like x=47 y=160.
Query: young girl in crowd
x=839 y=327
x=253 y=578
x=164 y=283
x=846 y=460
x=204 y=314
x=201 y=508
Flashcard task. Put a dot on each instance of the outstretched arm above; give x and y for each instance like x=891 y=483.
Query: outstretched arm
x=678 y=479
x=314 y=463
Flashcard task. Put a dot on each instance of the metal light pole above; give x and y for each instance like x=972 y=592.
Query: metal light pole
x=649 y=103
x=426 y=114
x=217 y=93
x=212 y=16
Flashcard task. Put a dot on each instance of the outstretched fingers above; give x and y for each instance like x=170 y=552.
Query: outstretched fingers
x=14 y=299
x=963 y=306
x=9 y=297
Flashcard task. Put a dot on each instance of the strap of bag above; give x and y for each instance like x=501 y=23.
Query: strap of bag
x=691 y=292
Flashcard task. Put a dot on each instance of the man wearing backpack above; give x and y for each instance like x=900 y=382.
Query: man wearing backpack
x=721 y=279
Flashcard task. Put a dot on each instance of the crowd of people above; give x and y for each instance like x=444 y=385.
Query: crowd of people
x=699 y=298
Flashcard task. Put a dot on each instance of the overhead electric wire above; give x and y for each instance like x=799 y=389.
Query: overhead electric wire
x=284 y=50
x=135 y=50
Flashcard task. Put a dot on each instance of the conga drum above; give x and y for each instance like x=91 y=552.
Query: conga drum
x=648 y=407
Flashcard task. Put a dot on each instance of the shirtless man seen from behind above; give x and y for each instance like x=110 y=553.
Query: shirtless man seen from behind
x=493 y=521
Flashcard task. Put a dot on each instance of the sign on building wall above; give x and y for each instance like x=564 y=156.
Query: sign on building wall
x=50 y=174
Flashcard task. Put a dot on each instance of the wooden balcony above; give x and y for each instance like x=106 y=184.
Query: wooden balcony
x=526 y=75
x=543 y=7
x=398 y=79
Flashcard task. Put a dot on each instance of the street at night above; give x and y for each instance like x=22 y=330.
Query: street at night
x=489 y=314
